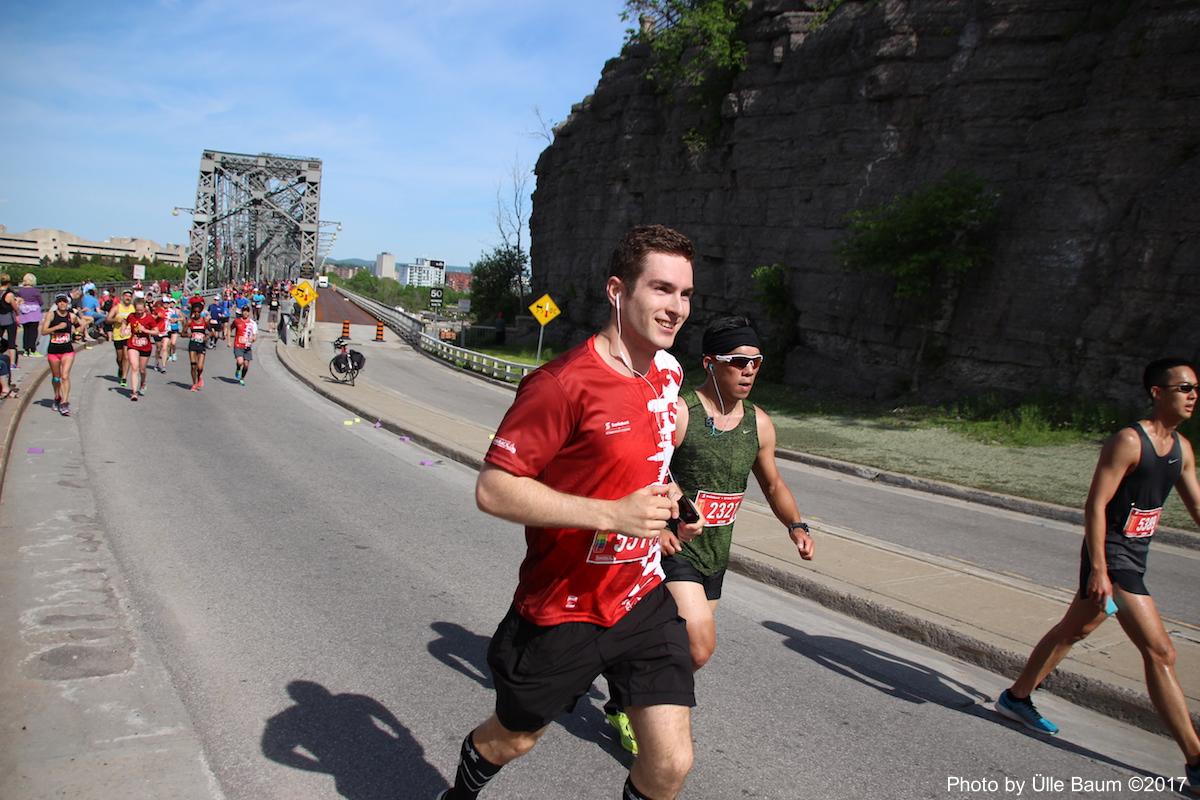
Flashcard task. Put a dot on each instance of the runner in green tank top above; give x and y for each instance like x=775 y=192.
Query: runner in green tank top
x=720 y=439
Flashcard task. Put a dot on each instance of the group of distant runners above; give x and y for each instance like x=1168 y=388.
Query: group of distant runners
x=629 y=488
x=145 y=326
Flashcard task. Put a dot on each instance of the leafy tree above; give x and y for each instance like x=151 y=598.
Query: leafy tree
x=921 y=239
x=926 y=241
x=691 y=39
x=497 y=282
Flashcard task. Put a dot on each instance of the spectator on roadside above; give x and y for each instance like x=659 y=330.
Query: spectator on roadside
x=6 y=387
x=8 y=320
x=501 y=328
x=29 y=314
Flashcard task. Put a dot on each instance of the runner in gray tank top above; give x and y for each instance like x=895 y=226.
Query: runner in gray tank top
x=1137 y=469
x=724 y=439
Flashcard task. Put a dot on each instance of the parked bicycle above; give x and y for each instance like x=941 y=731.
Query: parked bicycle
x=345 y=366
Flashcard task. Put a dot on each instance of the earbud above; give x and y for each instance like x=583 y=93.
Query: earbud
x=710 y=366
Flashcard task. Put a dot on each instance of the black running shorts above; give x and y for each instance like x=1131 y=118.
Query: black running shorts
x=540 y=672
x=119 y=344
x=1130 y=580
x=679 y=568
x=197 y=347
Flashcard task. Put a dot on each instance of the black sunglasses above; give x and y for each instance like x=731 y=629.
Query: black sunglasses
x=1182 y=388
x=739 y=362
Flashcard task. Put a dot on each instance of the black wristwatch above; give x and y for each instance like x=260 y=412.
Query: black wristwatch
x=801 y=525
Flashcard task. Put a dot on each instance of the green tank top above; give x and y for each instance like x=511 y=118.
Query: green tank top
x=712 y=470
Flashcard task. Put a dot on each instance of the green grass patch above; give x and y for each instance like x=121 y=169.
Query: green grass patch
x=522 y=354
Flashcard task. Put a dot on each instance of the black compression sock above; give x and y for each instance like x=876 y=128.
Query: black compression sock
x=474 y=772
x=630 y=792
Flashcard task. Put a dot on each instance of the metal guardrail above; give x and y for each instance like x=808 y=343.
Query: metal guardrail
x=412 y=329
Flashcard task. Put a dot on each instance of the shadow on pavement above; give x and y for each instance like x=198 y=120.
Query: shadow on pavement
x=462 y=651
x=353 y=738
x=227 y=379
x=109 y=378
x=889 y=673
x=180 y=384
x=915 y=683
x=466 y=652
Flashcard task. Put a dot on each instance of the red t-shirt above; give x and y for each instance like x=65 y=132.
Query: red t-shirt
x=141 y=327
x=582 y=428
x=241 y=332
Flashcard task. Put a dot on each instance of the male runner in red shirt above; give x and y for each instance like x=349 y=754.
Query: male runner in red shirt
x=582 y=460
x=245 y=331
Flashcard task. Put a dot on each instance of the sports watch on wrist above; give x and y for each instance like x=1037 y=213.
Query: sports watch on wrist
x=801 y=525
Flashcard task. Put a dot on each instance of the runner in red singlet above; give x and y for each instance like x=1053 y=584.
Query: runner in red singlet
x=197 y=333
x=142 y=325
x=581 y=459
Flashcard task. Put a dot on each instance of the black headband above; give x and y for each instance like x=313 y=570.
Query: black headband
x=727 y=341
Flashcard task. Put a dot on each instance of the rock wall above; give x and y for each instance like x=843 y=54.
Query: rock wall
x=1084 y=116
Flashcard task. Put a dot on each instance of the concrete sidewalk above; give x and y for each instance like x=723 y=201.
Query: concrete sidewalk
x=988 y=619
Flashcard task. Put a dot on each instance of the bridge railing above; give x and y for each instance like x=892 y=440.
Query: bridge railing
x=412 y=329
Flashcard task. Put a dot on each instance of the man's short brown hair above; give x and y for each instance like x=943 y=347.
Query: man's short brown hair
x=629 y=259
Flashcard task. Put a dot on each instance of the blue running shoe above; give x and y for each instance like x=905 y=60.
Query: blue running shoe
x=1024 y=712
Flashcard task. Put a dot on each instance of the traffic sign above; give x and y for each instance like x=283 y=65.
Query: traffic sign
x=435 y=297
x=304 y=293
x=544 y=309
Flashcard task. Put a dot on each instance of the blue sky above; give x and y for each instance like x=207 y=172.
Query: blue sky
x=417 y=109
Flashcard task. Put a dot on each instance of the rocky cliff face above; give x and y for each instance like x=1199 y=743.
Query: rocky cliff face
x=1084 y=116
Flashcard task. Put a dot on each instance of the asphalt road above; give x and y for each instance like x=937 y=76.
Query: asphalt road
x=333 y=307
x=322 y=593
x=1043 y=551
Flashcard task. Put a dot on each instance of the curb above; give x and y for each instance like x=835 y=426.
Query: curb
x=1036 y=508
x=1113 y=701
x=11 y=420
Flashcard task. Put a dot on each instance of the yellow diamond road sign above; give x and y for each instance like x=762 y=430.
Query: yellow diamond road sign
x=304 y=293
x=544 y=309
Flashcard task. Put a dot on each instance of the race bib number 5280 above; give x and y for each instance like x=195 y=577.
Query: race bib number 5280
x=1141 y=524
x=617 y=548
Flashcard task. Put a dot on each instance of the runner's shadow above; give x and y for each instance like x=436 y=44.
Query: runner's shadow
x=109 y=378
x=45 y=402
x=227 y=379
x=180 y=384
x=353 y=738
x=914 y=683
x=466 y=652
x=462 y=651
x=889 y=673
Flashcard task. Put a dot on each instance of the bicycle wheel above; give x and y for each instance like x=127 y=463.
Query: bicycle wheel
x=338 y=367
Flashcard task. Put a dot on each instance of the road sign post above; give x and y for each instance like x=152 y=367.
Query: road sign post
x=543 y=310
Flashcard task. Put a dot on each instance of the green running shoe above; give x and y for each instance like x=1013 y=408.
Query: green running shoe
x=620 y=721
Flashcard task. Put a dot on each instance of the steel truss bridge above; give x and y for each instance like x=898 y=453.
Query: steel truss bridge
x=257 y=217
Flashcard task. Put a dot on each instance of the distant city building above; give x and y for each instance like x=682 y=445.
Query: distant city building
x=459 y=281
x=30 y=247
x=422 y=272
x=385 y=265
x=341 y=271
